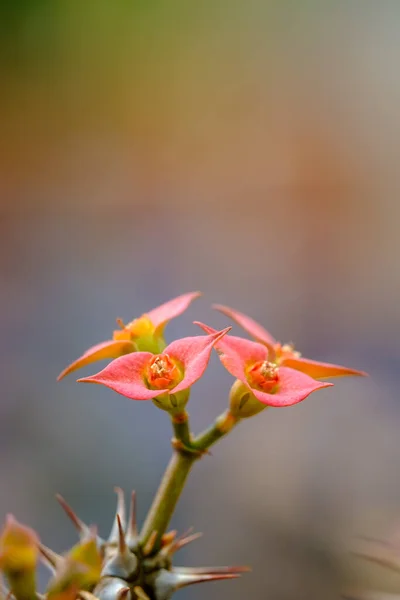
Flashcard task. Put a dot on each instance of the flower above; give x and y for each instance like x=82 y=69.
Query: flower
x=144 y=333
x=271 y=384
x=145 y=376
x=285 y=354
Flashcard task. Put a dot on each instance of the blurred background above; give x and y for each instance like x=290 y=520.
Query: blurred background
x=246 y=149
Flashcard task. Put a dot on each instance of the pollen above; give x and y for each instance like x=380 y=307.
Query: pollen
x=162 y=372
x=289 y=350
x=137 y=328
x=264 y=376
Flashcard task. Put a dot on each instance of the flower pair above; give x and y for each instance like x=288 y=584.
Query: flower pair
x=267 y=372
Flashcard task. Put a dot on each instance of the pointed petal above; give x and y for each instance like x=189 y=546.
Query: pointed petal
x=319 y=370
x=253 y=328
x=119 y=516
x=109 y=349
x=235 y=352
x=124 y=375
x=294 y=387
x=173 y=308
x=194 y=354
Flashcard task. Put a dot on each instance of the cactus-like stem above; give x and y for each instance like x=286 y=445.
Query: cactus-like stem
x=167 y=496
x=186 y=452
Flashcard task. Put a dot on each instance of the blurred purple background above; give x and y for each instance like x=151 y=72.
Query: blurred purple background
x=249 y=150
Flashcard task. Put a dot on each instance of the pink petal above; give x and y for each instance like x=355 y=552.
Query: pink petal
x=162 y=314
x=253 y=328
x=124 y=375
x=194 y=354
x=109 y=349
x=236 y=353
x=294 y=387
x=319 y=370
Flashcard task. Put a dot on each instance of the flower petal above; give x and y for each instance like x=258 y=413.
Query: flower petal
x=173 y=308
x=124 y=375
x=253 y=328
x=236 y=353
x=294 y=387
x=108 y=349
x=319 y=370
x=194 y=354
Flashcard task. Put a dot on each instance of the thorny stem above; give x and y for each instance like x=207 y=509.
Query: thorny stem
x=186 y=452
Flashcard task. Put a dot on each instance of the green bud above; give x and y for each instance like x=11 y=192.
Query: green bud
x=172 y=403
x=150 y=343
x=19 y=549
x=242 y=403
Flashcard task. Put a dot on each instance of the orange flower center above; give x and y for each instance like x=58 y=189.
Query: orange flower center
x=264 y=375
x=137 y=328
x=163 y=373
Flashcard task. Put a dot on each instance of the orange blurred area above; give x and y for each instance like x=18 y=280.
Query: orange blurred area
x=249 y=150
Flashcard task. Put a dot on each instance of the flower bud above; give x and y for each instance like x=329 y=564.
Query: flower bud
x=19 y=549
x=172 y=403
x=242 y=403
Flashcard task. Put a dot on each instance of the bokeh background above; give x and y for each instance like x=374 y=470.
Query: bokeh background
x=246 y=149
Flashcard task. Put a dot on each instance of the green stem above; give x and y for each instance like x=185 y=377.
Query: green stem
x=185 y=455
x=180 y=423
x=167 y=496
x=215 y=432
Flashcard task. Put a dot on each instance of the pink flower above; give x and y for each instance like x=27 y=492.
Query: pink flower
x=285 y=355
x=144 y=333
x=144 y=376
x=271 y=384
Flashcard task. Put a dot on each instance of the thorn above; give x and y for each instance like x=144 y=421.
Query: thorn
x=122 y=547
x=132 y=532
x=123 y=594
x=120 y=513
x=184 y=541
x=82 y=528
x=52 y=559
x=140 y=593
x=149 y=546
x=168 y=538
x=184 y=579
x=213 y=570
